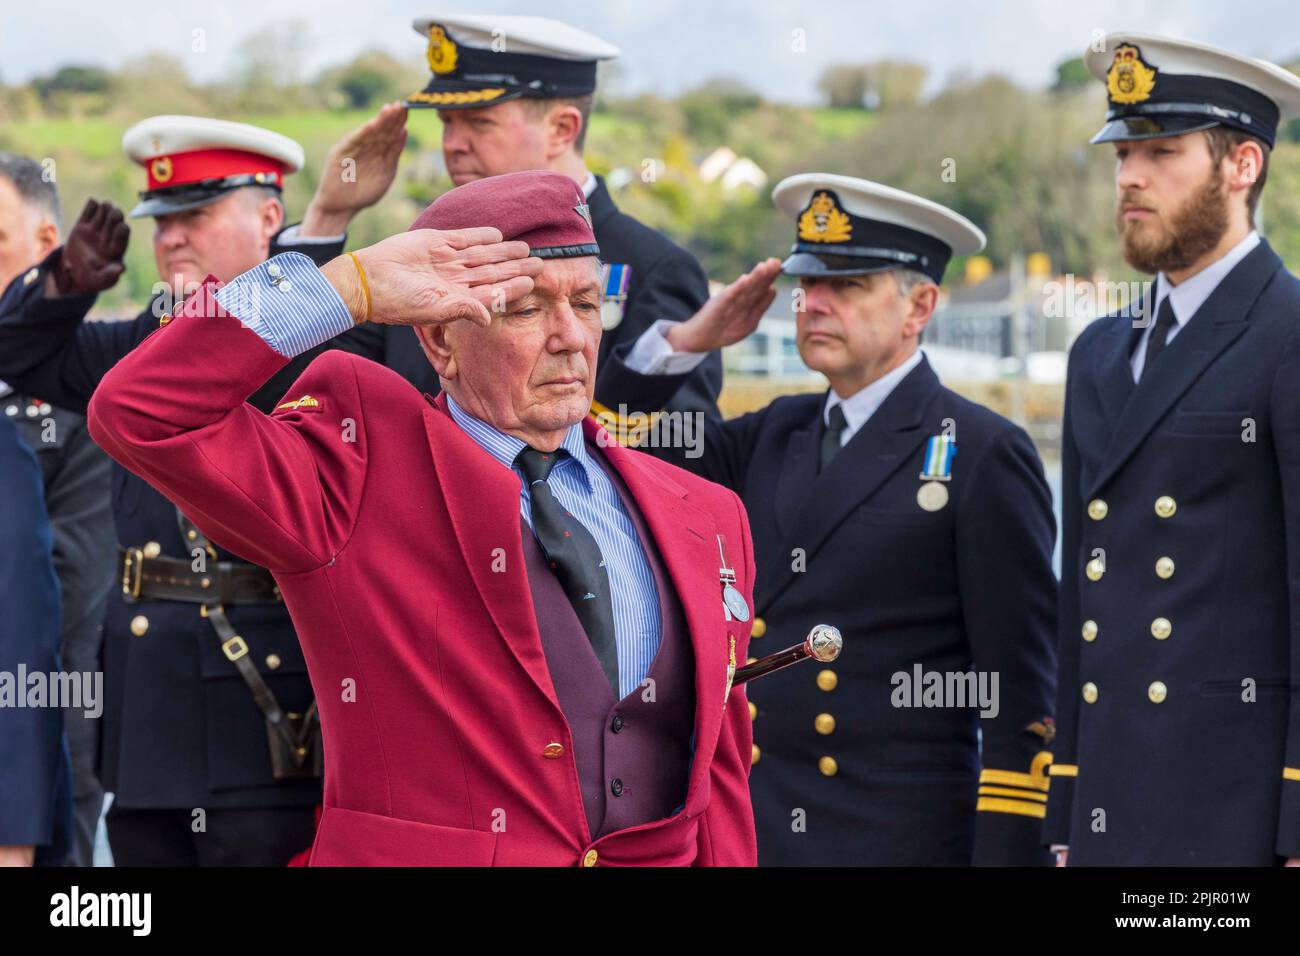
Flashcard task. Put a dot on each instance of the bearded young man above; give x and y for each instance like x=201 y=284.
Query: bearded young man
x=1178 y=736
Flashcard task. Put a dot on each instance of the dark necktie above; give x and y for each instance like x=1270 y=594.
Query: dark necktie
x=831 y=437
x=1165 y=321
x=574 y=556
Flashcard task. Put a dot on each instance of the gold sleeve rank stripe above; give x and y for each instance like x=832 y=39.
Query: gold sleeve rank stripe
x=1018 y=807
x=1290 y=773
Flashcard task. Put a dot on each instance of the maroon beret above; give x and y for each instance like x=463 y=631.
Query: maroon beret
x=544 y=209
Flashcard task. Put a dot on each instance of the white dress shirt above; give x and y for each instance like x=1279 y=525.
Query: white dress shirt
x=862 y=404
x=1189 y=295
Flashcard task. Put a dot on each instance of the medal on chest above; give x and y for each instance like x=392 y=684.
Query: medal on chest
x=734 y=606
x=614 y=280
x=940 y=450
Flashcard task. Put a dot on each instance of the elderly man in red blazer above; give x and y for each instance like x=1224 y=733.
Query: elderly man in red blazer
x=514 y=627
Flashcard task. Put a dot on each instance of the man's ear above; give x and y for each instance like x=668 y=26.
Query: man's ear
x=922 y=300
x=271 y=213
x=47 y=237
x=1245 y=161
x=563 y=125
x=433 y=339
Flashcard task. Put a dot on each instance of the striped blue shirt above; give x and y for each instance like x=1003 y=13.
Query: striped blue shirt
x=287 y=302
x=581 y=485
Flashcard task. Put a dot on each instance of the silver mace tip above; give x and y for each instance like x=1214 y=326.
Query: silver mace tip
x=824 y=643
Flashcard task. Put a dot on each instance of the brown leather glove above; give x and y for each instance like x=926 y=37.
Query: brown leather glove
x=91 y=260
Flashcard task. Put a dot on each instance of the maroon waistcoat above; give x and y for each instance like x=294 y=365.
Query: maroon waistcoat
x=633 y=755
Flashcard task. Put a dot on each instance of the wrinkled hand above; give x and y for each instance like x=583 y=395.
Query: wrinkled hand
x=732 y=314
x=91 y=260
x=358 y=171
x=430 y=276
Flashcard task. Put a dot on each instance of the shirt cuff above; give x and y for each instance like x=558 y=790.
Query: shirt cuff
x=287 y=302
x=653 y=355
x=289 y=237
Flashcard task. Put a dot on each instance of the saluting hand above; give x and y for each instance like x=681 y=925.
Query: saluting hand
x=91 y=260
x=431 y=276
x=359 y=169
x=732 y=314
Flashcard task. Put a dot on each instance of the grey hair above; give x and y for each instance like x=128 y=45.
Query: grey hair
x=254 y=195
x=28 y=178
x=909 y=279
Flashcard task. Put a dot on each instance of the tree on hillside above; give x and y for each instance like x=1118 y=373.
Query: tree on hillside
x=369 y=79
x=844 y=85
x=1071 y=75
x=893 y=83
x=710 y=109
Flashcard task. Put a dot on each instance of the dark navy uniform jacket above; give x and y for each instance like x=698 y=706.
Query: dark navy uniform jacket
x=180 y=727
x=76 y=475
x=1179 y=722
x=35 y=772
x=840 y=774
x=666 y=283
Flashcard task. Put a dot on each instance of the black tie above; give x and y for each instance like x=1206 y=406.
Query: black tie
x=1165 y=321
x=831 y=437
x=575 y=558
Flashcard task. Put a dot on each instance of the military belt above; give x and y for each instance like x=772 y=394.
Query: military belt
x=174 y=579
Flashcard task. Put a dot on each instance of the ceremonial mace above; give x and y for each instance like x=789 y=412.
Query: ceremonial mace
x=823 y=643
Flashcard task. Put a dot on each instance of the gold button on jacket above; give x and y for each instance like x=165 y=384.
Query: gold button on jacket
x=553 y=750
x=1097 y=509
x=826 y=679
x=1161 y=628
x=1157 y=692
x=590 y=858
x=828 y=766
x=1090 y=692
x=1089 y=631
x=759 y=628
x=139 y=624
x=1165 y=568
x=1166 y=506
x=1095 y=569
x=754 y=754
x=824 y=723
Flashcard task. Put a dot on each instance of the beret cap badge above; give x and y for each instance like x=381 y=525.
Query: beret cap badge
x=824 y=221
x=442 y=51
x=1130 y=78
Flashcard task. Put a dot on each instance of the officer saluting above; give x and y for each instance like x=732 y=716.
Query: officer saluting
x=1179 y=735
x=515 y=93
x=917 y=522
x=208 y=703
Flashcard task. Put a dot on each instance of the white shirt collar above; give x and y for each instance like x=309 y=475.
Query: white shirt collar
x=1189 y=295
x=589 y=184
x=862 y=404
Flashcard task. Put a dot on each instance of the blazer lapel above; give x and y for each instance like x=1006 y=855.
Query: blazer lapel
x=798 y=472
x=1115 y=374
x=686 y=537
x=878 y=450
x=1214 y=327
x=482 y=499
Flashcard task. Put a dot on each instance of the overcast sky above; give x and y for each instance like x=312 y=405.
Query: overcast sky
x=668 y=45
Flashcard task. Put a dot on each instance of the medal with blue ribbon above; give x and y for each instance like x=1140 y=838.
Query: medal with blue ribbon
x=614 y=280
x=940 y=450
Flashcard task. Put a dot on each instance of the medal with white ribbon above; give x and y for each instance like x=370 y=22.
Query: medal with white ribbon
x=733 y=602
